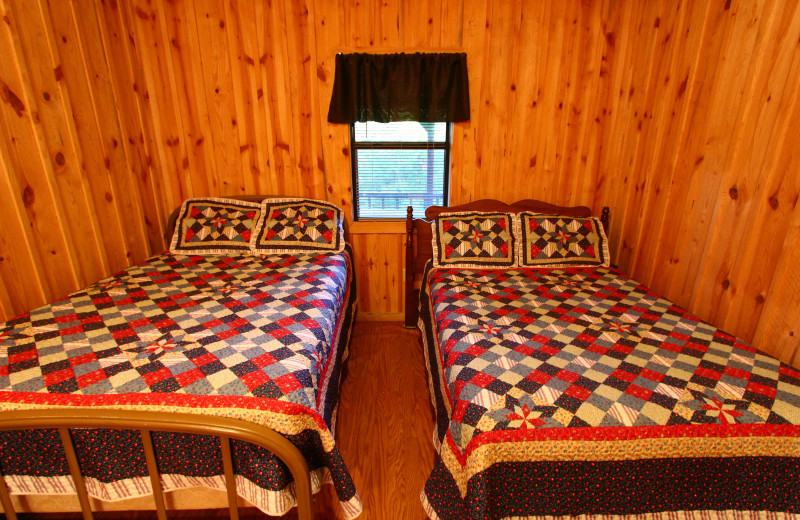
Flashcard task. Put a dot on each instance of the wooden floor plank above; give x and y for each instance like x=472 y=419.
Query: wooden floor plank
x=384 y=430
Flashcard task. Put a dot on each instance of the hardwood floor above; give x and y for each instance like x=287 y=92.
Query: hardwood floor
x=384 y=431
x=386 y=420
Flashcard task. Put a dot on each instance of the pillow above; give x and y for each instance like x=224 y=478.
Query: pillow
x=298 y=226
x=473 y=240
x=561 y=241
x=214 y=226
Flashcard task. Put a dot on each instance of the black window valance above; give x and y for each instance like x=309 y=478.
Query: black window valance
x=400 y=87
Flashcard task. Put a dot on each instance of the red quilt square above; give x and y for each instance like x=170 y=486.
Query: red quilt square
x=255 y=379
x=625 y=376
x=638 y=391
x=53 y=378
x=91 y=378
x=288 y=383
x=190 y=376
x=481 y=379
x=567 y=375
x=578 y=392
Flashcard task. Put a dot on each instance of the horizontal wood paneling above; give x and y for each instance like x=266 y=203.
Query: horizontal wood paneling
x=680 y=115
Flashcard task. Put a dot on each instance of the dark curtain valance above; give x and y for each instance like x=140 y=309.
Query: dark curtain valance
x=400 y=87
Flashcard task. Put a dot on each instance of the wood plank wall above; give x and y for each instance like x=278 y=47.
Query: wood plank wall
x=682 y=116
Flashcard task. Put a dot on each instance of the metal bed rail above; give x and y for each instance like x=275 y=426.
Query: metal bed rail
x=148 y=421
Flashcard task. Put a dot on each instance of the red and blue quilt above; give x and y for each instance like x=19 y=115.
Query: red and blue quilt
x=579 y=392
x=254 y=338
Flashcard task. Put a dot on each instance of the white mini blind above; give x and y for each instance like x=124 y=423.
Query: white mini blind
x=400 y=164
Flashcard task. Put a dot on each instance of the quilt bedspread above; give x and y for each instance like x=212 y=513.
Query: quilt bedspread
x=580 y=392
x=253 y=338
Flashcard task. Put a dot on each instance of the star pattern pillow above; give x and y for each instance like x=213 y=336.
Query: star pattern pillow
x=473 y=240
x=561 y=241
x=297 y=226
x=214 y=226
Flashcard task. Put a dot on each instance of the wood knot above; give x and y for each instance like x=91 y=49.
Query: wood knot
x=59 y=158
x=28 y=196
x=726 y=284
x=773 y=202
x=699 y=161
x=760 y=299
x=8 y=96
x=734 y=193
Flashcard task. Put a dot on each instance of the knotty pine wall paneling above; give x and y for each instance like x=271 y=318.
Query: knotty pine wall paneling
x=680 y=115
x=64 y=187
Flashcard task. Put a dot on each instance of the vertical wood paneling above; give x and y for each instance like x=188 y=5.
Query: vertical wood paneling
x=680 y=115
x=31 y=176
x=123 y=194
x=36 y=44
x=133 y=145
x=76 y=85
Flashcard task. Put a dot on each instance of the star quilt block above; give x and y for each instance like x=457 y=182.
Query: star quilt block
x=473 y=240
x=292 y=226
x=561 y=241
x=214 y=226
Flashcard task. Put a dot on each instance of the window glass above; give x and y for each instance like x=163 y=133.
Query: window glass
x=396 y=165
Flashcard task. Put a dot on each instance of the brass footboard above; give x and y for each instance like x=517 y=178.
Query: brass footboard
x=146 y=422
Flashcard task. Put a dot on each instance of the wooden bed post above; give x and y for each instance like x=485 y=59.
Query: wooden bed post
x=411 y=297
x=605 y=217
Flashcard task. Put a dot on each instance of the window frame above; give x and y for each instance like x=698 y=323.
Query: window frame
x=397 y=145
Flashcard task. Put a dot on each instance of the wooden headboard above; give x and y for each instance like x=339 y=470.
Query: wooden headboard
x=419 y=248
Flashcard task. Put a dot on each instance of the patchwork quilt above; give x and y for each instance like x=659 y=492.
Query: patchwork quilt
x=254 y=338
x=578 y=392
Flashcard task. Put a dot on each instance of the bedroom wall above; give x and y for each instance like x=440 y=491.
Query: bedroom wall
x=680 y=115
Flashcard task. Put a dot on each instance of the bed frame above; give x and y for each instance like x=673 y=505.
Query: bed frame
x=149 y=421
x=419 y=235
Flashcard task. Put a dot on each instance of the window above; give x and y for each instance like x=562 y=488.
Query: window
x=396 y=165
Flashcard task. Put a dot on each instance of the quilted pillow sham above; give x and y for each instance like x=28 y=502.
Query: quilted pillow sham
x=214 y=226
x=297 y=226
x=561 y=241
x=473 y=240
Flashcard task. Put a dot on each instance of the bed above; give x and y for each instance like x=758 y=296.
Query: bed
x=573 y=390
x=212 y=366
